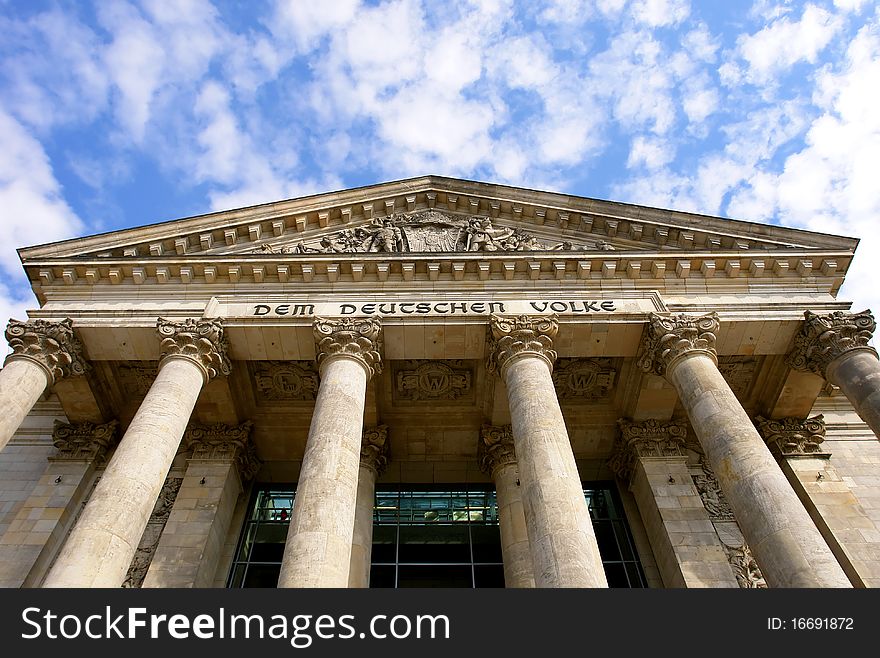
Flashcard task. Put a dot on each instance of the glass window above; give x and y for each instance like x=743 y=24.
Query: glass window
x=431 y=536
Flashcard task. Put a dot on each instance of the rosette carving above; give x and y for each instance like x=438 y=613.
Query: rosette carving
x=224 y=443
x=824 y=338
x=649 y=439
x=521 y=334
x=52 y=345
x=793 y=437
x=358 y=338
x=495 y=448
x=667 y=338
x=82 y=441
x=375 y=448
x=201 y=341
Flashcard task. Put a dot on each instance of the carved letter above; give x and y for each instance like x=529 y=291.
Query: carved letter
x=261 y=309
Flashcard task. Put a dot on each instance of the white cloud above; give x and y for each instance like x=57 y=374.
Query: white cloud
x=701 y=44
x=43 y=93
x=649 y=152
x=783 y=43
x=32 y=207
x=659 y=13
x=851 y=5
x=32 y=211
x=306 y=23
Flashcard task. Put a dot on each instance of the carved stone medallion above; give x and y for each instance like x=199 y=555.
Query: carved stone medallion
x=433 y=380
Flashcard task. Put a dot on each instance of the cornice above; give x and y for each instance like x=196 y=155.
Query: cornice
x=577 y=216
x=824 y=269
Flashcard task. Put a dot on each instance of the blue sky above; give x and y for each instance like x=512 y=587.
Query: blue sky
x=119 y=113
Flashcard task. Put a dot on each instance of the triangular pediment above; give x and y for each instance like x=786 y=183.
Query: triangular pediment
x=436 y=215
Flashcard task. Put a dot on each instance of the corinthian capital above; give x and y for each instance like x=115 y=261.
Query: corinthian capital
x=649 y=439
x=82 y=441
x=793 y=437
x=519 y=335
x=357 y=338
x=224 y=443
x=374 y=449
x=51 y=345
x=201 y=341
x=667 y=338
x=823 y=338
x=495 y=448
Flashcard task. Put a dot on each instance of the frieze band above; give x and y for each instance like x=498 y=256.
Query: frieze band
x=577 y=307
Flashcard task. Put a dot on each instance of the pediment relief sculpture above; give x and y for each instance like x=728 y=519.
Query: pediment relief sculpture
x=428 y=231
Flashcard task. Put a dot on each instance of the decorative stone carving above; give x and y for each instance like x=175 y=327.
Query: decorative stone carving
x=668 y=338
x=495 y=448
x=136 y=377
x=433 y=380
x=824 y=338
x=710 y=491
x=745 y=568
x=224 y=443
x=82 y=441
x=152 y=533
x=375 y=449
x=285 y=380
x=793 y=437
x=428 y=231
x=358 y=338
x=583 y=379
x=738 y=371
x=267 y=248
x=201 y=341
x=649 y=439
x=52 y=345
x=523 y=334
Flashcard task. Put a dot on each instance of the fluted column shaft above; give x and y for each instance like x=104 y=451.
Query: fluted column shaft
x=103 y=542
x=561 y=537
x=42 y=353
x=374 y=459
x=784 y=540
x=318 y=548
x=498 y=460
x=835 y=346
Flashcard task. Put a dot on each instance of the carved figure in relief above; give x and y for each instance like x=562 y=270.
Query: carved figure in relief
x=482 y=236
x=385 y=237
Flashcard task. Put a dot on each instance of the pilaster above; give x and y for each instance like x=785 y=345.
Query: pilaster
x=222 y=457
x=45 y=517
x=651 y=457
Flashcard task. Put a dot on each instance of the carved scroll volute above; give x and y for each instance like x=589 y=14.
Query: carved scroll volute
x=356 y=338
x=375 y=449
x=51 y=345
x=824 y=338
x=200 y=341
x=495 y=449
x=794 y=437
x=521 y=335
x=668 y=338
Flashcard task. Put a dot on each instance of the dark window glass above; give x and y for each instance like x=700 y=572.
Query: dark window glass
x=437 y=536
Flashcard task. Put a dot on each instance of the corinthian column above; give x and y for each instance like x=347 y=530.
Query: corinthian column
x=374 y=459
x=561 y=538
x=784 y=540
x=100 y=548
x=318 y=549
x=42 y=353
x=835 y=346
x=497 y=458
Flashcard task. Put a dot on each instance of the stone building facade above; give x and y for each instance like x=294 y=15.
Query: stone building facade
x=441 y=382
